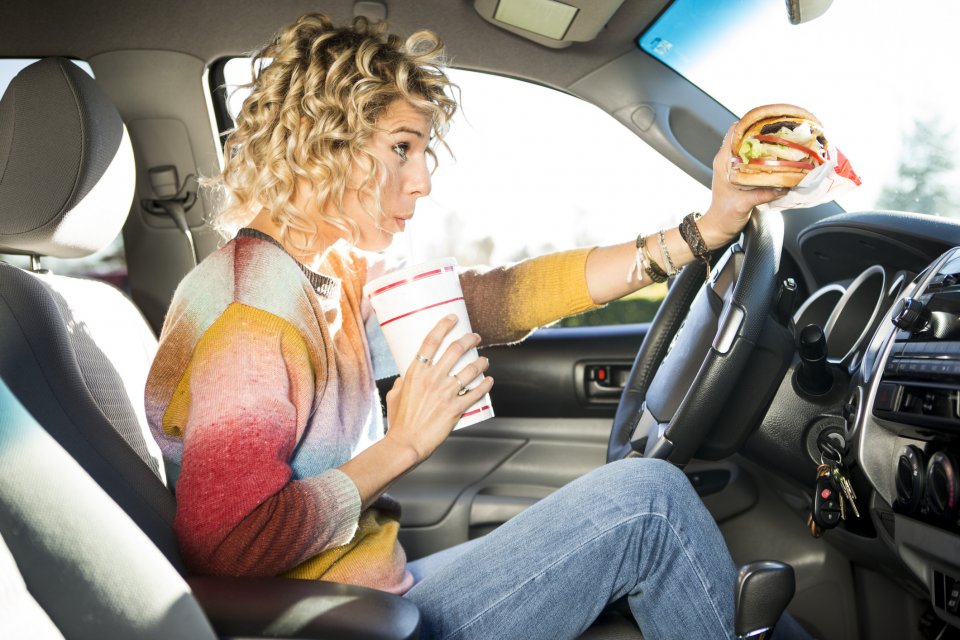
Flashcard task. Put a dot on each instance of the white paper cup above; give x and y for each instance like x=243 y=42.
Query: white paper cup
x=409 y=303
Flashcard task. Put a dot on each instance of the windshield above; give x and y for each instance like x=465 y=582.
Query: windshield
x=879 y=75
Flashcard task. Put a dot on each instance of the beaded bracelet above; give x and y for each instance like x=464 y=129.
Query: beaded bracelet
x=690 y=233
x=639 y=265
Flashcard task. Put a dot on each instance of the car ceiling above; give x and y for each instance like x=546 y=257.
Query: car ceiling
x=31 y=28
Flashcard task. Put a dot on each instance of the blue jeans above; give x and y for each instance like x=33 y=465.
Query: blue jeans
x=633 y=528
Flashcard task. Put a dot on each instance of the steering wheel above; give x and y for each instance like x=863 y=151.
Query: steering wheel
x=697 y=346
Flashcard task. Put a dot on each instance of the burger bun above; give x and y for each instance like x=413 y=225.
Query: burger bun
x=760 y=176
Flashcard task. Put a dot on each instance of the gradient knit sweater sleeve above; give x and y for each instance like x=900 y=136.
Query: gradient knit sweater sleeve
x=245 y=400
x=506 y=303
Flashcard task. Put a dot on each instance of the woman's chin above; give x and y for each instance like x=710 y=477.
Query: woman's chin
x=380 y=242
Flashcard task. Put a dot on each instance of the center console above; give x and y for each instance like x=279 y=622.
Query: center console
x=913 y=413
x=919 y=395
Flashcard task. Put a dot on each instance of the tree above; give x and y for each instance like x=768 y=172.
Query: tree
x=925 y=164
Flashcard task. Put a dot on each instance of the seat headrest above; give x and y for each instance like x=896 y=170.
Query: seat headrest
x=67 y=172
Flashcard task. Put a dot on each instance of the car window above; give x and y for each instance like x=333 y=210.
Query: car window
x=533 y=170
x=109 y=264
x=871 y=72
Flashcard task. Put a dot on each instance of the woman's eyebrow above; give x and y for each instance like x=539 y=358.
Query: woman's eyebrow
x=407 y=130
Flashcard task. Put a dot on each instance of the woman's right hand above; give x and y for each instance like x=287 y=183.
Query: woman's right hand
x=423 y=406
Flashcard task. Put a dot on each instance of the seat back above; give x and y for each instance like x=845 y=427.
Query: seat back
x=84 y=561
x=76 y=351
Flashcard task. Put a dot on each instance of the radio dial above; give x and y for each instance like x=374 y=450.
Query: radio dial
x=942 y=485
x=912 y=315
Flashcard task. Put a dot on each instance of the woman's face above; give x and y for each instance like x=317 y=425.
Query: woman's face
x=401 y=144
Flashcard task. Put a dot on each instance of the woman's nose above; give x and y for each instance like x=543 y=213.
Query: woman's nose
x=419 y=183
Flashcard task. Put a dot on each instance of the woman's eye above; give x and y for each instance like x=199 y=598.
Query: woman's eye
x=401 y=150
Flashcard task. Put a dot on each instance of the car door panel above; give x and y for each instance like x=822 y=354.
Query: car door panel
x=547 y=432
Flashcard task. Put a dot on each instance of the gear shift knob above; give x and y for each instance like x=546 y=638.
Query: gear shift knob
x=764 y=589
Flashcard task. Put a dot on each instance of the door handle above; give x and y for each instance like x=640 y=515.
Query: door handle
x=604 y=382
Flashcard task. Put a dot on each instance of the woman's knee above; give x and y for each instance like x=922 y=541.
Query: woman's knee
x=648 y=473
x=642 y=484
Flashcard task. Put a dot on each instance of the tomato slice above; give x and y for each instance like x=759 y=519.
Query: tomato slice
x=787 y=143
x=776 y=163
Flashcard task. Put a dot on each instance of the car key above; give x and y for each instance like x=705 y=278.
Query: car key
x=826 y=506
x=840 y=499
x=841 y=480
x=837 y=493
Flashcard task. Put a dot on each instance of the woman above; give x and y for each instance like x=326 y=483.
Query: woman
x=262 y=388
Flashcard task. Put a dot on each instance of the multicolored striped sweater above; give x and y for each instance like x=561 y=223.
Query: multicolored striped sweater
x=263 y=385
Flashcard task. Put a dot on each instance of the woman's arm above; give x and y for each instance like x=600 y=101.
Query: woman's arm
x=244 y=399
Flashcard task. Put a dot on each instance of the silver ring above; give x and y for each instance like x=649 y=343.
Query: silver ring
x=423 y=359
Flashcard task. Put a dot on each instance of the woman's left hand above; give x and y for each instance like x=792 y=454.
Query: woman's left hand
x=730 y=206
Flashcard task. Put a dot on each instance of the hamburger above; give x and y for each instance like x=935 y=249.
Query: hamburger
x=776 y=145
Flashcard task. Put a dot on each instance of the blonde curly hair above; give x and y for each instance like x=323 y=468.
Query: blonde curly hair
x=317 y=94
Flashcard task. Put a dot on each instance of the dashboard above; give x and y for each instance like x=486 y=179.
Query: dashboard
x=886 y=294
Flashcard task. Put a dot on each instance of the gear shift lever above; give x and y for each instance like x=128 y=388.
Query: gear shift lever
x=763 y=591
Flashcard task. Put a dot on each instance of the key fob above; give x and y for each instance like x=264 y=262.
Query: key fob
x=826 y=503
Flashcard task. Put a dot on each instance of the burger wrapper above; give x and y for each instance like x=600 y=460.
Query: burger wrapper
x=827 y=182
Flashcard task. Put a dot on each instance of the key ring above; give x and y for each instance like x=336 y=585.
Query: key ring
x=827 y=447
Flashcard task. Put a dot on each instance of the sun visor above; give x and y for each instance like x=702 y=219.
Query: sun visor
x=548 y=22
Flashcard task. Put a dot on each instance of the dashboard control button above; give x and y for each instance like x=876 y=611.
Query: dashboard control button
x=911 y=315
x=886 y=399
x=953 y=599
